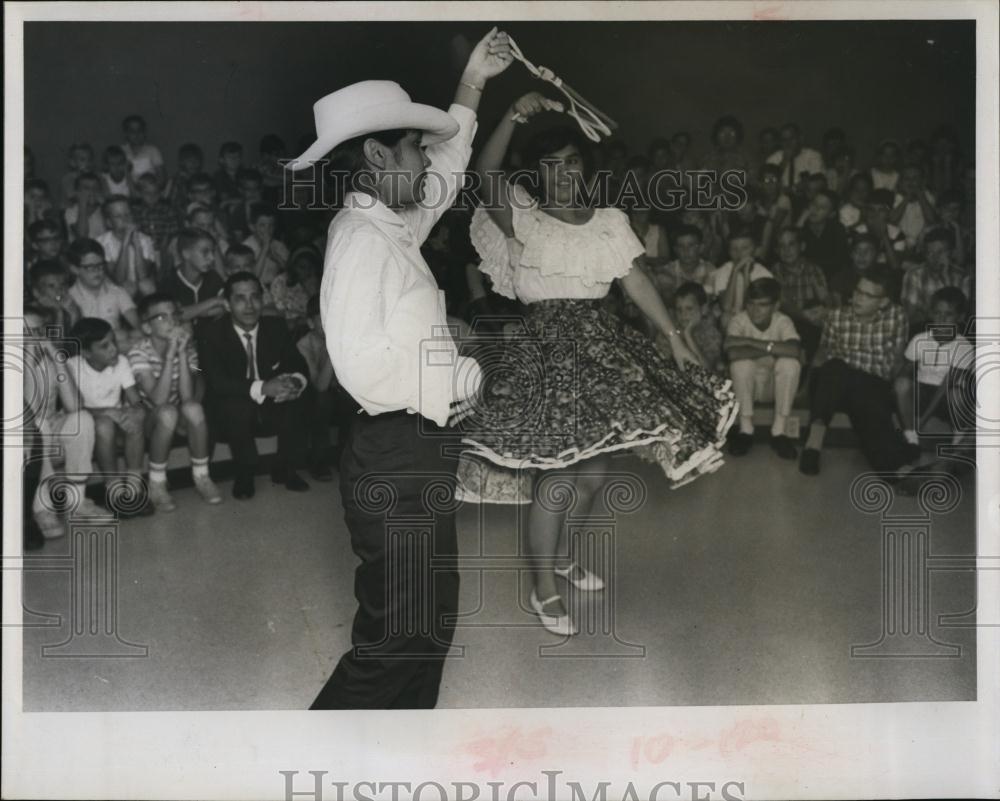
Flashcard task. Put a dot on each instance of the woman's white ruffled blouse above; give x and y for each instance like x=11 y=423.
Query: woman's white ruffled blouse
x=548 y=258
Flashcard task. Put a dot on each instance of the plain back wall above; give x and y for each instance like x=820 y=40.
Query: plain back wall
x=212 y=82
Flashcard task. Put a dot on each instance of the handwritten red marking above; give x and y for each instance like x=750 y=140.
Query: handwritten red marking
x=498 y=752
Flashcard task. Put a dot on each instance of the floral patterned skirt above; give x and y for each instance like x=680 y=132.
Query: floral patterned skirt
x=572 y=382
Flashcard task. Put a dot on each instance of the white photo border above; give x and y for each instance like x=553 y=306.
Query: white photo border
x=820 y=751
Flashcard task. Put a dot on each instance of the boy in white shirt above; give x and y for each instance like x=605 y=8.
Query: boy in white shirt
x=729 y=282
x=116 y=177
x=131 y=256
x=381 y=308
x=142 y=157
x=104 y=376
x=764 y=363
x=942 y=361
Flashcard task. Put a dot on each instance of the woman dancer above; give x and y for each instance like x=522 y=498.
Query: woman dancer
x=560 y=255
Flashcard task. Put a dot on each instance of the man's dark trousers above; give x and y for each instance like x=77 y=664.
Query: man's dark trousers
x=869 y=403
x=398 y=492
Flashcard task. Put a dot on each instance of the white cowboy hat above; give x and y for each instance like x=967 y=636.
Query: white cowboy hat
x=369 y=107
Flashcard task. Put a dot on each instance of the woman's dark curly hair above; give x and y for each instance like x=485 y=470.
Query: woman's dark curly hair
x=550 y=140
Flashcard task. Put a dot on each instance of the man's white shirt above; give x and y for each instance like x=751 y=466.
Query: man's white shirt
x=383 y=313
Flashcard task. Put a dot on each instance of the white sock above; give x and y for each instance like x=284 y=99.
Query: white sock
x=158 y=472
x=911 y=436
x=199 y=467
x=778 y=426
x=746 y=425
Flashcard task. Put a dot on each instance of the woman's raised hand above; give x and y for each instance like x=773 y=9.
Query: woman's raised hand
x=533 y=103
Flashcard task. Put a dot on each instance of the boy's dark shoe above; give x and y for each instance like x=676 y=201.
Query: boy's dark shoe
x=243 y=488
x=740 y=444
x=809 y=462
x=320 y=471
x=783 y=446
x=280 y=474
x=295 y=482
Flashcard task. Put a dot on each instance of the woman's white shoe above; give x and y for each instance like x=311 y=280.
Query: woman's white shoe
x=557 y=624
x=588 y=582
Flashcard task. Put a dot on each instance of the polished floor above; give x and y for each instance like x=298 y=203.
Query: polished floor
x=749 y=586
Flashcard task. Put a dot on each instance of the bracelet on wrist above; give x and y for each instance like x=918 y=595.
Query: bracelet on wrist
x=472 y=86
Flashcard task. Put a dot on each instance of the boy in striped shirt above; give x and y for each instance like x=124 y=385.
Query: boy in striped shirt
x=171 y=396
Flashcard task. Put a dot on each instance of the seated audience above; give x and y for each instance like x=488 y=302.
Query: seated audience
x=859 y=356
x=46 y=242
x=270 y=253
x=764 y=363
x=795 y=162
x=81 y=160
x=165 y=365
x=117 y=178
x=914 y=210
x=255 y=377
x=804 y=293
x=938 y=375
x=885 y=171
x=195 y=286
x=142 y=156
x=272 y=150
x=938 y=271
x=84 y=217
x=864 y=258
x=891 y=242
x=38 y=204
x=728 y=283
x=824 y=240
x=104 y=379
x=852 y=210
x=688 y=266
x=699 y=327
x=131 y=256
x=153 y=215
x=48 y=279
x=96 y=294
x=190 y=162
x=237 y=210
x=225 y=178
x=66 y=430
x=950 y=211
x=292 y=289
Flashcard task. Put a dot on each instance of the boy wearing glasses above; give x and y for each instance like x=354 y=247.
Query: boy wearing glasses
x=860 y=352
x=95 y=293
x=171 y=388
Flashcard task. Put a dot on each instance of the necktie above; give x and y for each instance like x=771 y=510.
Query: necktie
x=251 y=358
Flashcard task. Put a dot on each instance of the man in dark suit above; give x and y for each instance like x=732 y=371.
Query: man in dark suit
x=255 y=377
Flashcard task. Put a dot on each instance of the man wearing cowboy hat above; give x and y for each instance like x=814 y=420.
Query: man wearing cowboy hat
x=384 y=321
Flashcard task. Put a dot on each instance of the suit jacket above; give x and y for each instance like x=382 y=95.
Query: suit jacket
x=223 y=357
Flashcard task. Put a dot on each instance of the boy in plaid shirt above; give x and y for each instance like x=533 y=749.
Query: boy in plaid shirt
x=860 y=351
x=152 y=214
x=804 y=293
x=938 y=271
